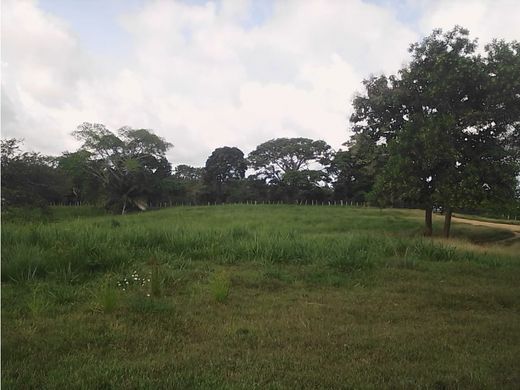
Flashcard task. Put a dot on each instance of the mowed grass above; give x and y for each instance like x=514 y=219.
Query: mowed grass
x=261 y=296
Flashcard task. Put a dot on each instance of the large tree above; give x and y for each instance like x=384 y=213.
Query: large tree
x=274 y=158
x=224 y=168
x=445 y=129
x=130 y=164
x=294 y=166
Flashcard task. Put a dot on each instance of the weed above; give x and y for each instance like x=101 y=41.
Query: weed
x=107 y=296
x=66 y=274
x=220 y=286
x=37 y=303
x=431 y=251
x=407 y=261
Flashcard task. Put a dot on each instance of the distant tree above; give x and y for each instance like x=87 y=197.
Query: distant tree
x=188 y=183
x=28 y=178
x=130 y=165
x=295 y=165
x=303 y=185
x=250 y=189
x=187 y=172
x=224 y=167
x=354 y=170
x=84 y=187
x=274 y=158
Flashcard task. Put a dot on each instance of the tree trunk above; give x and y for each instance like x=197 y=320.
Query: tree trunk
x=124 y=207
x=428 y=228
x=447 y=222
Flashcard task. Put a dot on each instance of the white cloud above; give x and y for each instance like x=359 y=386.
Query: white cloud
x=42 y=65
x=484 y=18
x=202 y=77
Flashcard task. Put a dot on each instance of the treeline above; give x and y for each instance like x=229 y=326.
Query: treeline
x=443 y=132
x=128 y=170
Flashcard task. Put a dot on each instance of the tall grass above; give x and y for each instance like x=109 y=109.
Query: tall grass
x=345 y=239
x=220 y=286
x=107 y=296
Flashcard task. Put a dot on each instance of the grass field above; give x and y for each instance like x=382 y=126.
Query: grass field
x=248 y=297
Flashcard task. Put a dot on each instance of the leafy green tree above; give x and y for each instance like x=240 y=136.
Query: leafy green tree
x=187 y=172
x=295 y=165
x=130 y=165
x=28 y=178
x=354 y=170
x=303 y=185
x=416 y=162
x=435 y=115
x=188 y=183
x=223 y=169
x=276 y=157
x=83 y=186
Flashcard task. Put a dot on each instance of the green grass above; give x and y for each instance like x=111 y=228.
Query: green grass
x=220 y=286
x=256 y=296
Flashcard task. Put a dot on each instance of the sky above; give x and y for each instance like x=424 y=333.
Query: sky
x=205 y=74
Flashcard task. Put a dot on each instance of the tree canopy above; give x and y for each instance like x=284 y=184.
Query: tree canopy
x=129 y=165
x=276 y=157
x=223 y=167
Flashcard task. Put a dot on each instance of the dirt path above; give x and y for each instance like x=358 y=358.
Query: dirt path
x=514 y=228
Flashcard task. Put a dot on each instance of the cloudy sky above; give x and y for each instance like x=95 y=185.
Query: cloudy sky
x=205 y=74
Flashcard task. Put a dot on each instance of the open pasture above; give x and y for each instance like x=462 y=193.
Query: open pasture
x=245 y=296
